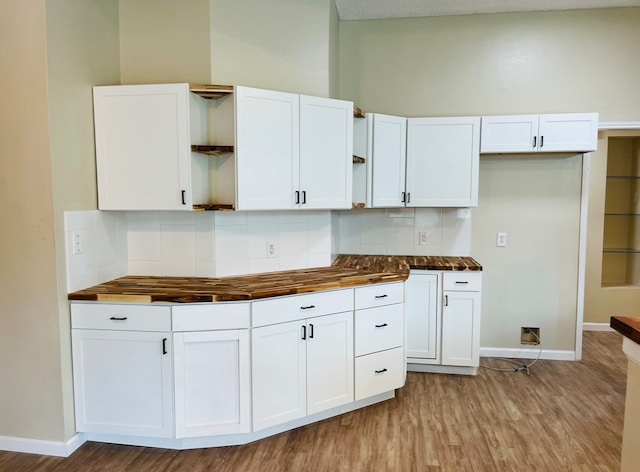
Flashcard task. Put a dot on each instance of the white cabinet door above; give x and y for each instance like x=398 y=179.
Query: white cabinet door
x=123 y=382
x=461 y=328
x=568 y=132
x=278 y=364
x=443 y=162
x=326 y=150
x=212 y=383
x=386 y=171
x=512 y=133
x=329 y=361
x=143 y=147
x=267 y=149
x=421 y=313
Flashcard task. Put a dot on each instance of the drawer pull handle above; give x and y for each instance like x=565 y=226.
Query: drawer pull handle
x=381 y=296
x=459 y=282
x=304 y=332
x=307 y=307
x=380 y=371
x=382 y=325
x=310 y=330
x=118 y=318
x=164 y=346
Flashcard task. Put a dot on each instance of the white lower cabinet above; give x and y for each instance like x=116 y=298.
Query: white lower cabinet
x=212 y=383
x=123 y=382
x=443 y=321
x=301 y=367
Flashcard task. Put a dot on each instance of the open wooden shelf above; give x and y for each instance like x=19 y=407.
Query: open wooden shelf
x=358 y=160
x=211 y=150
x=623 y=250
x=358 y=113
x=356 y=206
x=212 y=207
x=211 y=91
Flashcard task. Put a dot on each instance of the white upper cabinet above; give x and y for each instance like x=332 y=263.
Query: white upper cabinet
x=572 y=132
x=292 y=151
x=387 y=159
x=267 y=149
x=326 y=150
x=143 y=147
x=442 y=162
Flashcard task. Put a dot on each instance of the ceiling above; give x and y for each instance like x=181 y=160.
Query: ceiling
x=378 y=9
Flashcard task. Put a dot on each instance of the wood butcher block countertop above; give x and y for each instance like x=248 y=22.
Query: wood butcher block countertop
x=347 y=271
x=629 y=326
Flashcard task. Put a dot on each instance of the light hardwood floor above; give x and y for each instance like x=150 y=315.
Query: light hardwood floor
x=564 y=416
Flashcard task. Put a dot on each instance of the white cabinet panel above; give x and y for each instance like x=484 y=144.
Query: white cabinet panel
x=329 y=362
x=212 y=383
x=379 y=328
x=120 y=317
x=461 y=328
x=422 y=313
x=326 y=149
x=388 y=160
x=462 y=281
x=278 y=365
x=123 y=382
x=443 y=162
x=143 y=147
x=267 y=149
x=379 y=372
x=517 y=133
x=378 y=295
x=569 y=132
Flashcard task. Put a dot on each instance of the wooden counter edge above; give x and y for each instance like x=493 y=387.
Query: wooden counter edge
x=627 y=326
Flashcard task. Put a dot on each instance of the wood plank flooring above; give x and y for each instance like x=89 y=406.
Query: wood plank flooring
x=564 y=416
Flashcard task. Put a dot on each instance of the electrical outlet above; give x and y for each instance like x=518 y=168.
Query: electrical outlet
x=501 y=240
x=77 y=241
x=272 y=249
x=423 y=237
x=529 y=335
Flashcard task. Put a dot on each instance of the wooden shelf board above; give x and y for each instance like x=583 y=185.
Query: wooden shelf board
x=624 y=177
x=358 y=160
x=211 y=91
x=356 y=206
x=358 y=113
x=213 y=207
x=620 y=251
x=622 y=214
x=211 y=150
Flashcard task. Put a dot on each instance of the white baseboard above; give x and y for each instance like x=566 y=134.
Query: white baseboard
x=46 y=448
x=530 y=353
x=596 y=327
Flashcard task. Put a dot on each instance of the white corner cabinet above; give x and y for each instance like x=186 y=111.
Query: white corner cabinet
x=417 y=162
x=216 y=374
x=570 y=132
x=443 y=311
x=176 y=147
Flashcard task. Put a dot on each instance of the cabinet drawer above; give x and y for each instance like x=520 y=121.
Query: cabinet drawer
x=379 y=328
x=379 y=294
x=298 y=307
x=204 y=317
x=120 y=317
x=379 y=373
x=462 y=281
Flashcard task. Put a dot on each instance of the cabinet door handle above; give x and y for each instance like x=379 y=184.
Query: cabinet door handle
x=118 y=318
x=304 y=197
x=461 y=282
x=183 y=193
x=381 y=296
x=297 y=197
x=164 y=346
x=403 y=196
x=307 y=307
x=382 y=325
x=380 y=371
x=408 y=197
x=446 y=300
x=304 y=332
x=541 y=141
x=535 y=140
x=310 y=330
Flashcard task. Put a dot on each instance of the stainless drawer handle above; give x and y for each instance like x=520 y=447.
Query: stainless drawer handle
x=382 y=325
x=307 y=307
x=118 y=318
x=381 y=296
x=380 y=371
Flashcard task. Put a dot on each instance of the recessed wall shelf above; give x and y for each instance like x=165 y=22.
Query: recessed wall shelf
x=211 y=150
x=211 y=91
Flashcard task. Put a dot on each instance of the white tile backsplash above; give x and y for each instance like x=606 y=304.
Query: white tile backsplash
x=178 y=250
